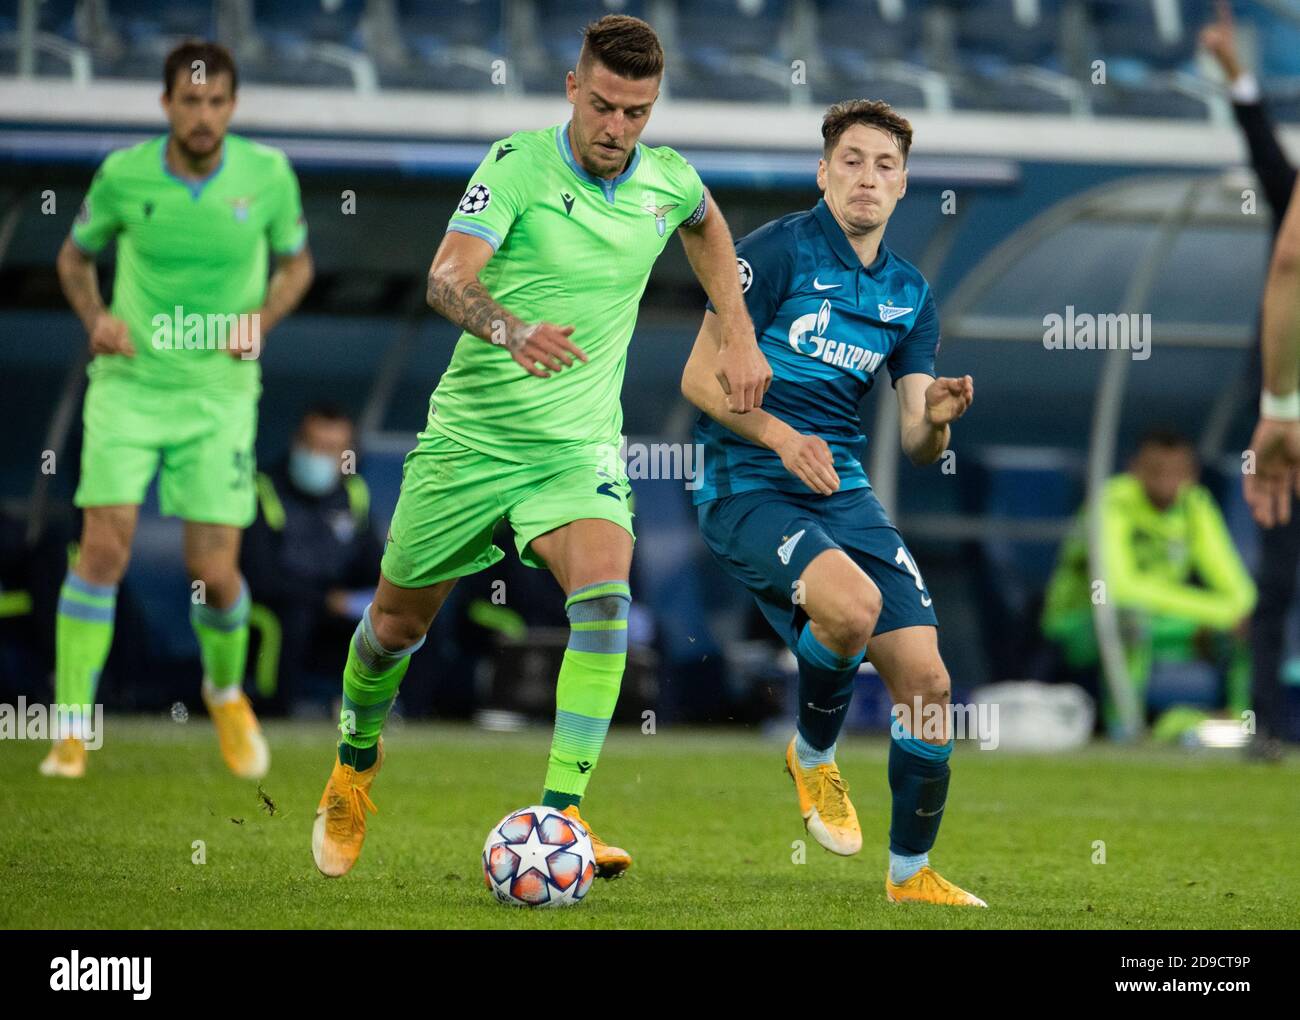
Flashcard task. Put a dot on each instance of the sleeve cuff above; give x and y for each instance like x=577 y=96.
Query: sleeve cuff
x=476 y=230
x=1245 y=90
x=292 y=249
x=81 y=245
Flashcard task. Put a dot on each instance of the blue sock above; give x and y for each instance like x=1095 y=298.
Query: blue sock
x=904 y=866
x=918 y=778
x=810 y=756
x=825 y=690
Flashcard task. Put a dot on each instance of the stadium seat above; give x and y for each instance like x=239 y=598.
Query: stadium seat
x=556 y=34
x=307 y=42
x=446 y=46
x=1148 y=48
x=730 y=50
x=138 y=36
x=872 y=51
x=1009 y=60
x=62 y=50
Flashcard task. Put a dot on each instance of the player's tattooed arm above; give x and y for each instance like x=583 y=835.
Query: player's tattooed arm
x=926 y=407
x=80 y=282
x=807 y=457
x=456 y=293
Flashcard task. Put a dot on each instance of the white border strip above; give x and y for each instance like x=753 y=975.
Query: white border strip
x=467 y=117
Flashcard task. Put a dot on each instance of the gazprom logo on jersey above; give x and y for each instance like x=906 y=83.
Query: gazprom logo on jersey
x=182 y=331
x=823 y=348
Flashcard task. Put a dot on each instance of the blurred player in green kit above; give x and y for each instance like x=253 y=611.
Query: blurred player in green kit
x=174 y=380
x=543 y=266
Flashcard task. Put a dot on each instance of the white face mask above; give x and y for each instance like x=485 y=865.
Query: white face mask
x=316 y=474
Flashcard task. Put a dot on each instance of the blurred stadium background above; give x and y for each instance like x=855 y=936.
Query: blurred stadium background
x=1031 y=188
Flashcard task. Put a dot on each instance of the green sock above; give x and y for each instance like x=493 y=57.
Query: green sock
x=370 y=681
x=223 y=640
x=587 y=690
x=83 y=634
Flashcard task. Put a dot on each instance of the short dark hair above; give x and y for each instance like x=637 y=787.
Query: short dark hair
x=872 y=112
x=329 y=411
x=216 y=59
x=624 y=44
x=1166 y=438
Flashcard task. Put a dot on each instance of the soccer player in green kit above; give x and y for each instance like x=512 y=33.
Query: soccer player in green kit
x=174 y=379
x=543 y=265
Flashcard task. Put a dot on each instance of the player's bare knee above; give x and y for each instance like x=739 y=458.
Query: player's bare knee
x=932 y=684
x=849 y=621
x=860 y=609
x=221 y=580
x=102 y=562
x=397 y=630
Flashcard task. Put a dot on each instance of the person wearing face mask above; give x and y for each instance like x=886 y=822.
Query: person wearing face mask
x=310 y=556
x=1173 y=572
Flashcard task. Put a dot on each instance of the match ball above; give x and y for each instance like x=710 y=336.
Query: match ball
x=538 y=857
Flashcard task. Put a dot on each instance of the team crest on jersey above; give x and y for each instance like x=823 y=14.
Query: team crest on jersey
x=659 y=212
x=746 y=274
x=888 y=313
x=240 y=206
x=475 y=200
x=808 y=336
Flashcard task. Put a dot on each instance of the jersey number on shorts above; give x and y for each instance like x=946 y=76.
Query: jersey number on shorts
x=902 y=557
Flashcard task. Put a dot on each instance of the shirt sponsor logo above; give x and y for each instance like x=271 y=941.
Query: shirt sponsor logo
x=823 y=348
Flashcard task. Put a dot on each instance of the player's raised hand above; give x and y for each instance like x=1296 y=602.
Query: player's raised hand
x=544 y=348
x=1276 y=446
x=110 y=336
x=946 y=400
x=742 y=371
x=1219 y=38
x=809 y=459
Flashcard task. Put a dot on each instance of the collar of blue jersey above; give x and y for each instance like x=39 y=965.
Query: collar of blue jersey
x=195 y=186
x=606 y=185
x=840 y=243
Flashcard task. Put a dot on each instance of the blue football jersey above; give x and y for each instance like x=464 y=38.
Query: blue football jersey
x=826 y=324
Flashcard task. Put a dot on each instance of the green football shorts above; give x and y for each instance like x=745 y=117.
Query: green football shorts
x=453 y=497
x=204 y=442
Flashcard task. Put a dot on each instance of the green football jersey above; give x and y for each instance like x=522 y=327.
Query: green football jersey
x=189 y=255
x=572 y=249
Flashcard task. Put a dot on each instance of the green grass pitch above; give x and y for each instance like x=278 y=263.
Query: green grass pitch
x=710 y=817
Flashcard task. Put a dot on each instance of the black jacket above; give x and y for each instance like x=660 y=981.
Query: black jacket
x=300 y=546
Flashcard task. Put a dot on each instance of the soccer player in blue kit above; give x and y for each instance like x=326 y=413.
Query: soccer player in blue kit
x=785 y=505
